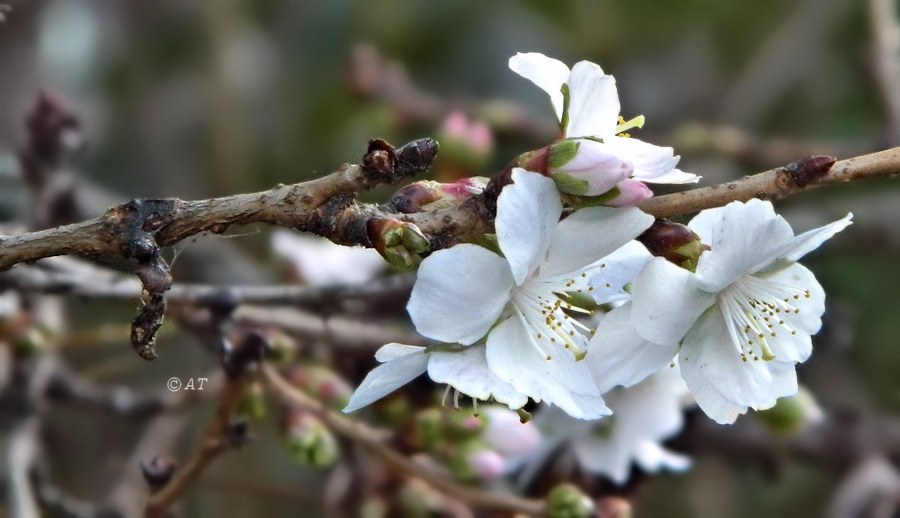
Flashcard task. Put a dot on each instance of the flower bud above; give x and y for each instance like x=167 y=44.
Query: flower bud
x=466 y=145
x=675 y=242
x=321 y=383
x=30 y=341
x=309 y=441
x=791 y=415
x=613 y=507
x=567 y=501
x=252 y=404
x=506 y=434
x=486 y=464
x=400 y=243
x=586 y=167
x=630 y=194
x=459 y=425
x=431 y=195
x=428 y=428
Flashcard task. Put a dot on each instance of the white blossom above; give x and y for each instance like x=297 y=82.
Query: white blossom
x=738 y=325
x=318 y=261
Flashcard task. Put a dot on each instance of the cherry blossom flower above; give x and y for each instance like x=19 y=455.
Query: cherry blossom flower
x=586 y=102
x=738 y=325
x=644 y=415
x=519 y=301
x=318 y=261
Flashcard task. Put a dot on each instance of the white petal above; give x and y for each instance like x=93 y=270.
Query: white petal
x=652 y=164
x=812 y=239
x=712 y=402
x=321 y=262
x=593 y=102
x=467 y=371
x=651 y=409
x=598 y=165
x=652 y=457
x=393 y=351
x=708 y=354
x=589 y=235
x=797 y=347
x=459 y=293
x=617 y=355
x=387 y=378
x=527 y=213
x=743 y=238
x=604 y=456
x=619 y=269
x=559 y=380
x=547 y=73
x=666 y=302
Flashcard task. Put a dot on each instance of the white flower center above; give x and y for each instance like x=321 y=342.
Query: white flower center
x=543 y=306
x=756 y=311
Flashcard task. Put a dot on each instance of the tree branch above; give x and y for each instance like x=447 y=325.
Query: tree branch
x=775 y=184
x=369 y=440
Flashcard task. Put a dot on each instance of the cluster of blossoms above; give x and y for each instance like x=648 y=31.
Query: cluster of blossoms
x=725 y=329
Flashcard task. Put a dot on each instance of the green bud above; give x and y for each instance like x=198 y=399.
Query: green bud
x=562 y=152
x=399 y=242
x=791 y=414
x=321 y=383
x=568 y=184
x=30 y=342
x=568 y=501
x=675 y=242
x=252 y=404
x=428 y=429
x=310 y=443
x=461 y=425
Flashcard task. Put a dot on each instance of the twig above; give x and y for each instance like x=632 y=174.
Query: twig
x=215 y=440
x=64 y=276
x=369 y=439
x=324 y=206
x=773 y=184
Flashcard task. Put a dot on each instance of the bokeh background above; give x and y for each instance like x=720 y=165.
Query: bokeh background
x=197 y=99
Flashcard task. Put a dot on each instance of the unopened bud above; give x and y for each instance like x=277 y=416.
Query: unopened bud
x=567 y=501
x=792 y=414
x=30 y=341
x=630 y=194
x=431 y=195
x=322 y=383
x=400 y=243
x=460 y=425
x=613 y=507
x=487 y=464
x=466 y=146
x=507 y=434
x=428 y=429
x=252 y=404
x=675 y=242
x=586 y=167
x=309 y=441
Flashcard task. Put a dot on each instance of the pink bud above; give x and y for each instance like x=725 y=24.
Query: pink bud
x=507 y=434
x=481 y=138
x=456 y=125
x=631 y=193
x=486 y=464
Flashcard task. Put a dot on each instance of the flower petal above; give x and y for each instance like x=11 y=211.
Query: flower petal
x=321 y=262
x=667 y=301
x=589 y=235
x=597 y=165
x=617 y=271
x=652 y=164
x=527 y=213
x=593 y=102
x=797 y=346
x=743 y=238
x=709 y=358
x=392 y=351
x=603 y=456
x=652 y=457
x=617 y=355
x=547 y=73
x=459 y=293
x=812 y=239
x=559 y=380
x=467 y=371
x=387 y=378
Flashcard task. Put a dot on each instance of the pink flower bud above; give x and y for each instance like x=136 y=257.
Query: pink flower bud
x=631 y=193
x=586 y=167
x=486 y=464
x=507 y=434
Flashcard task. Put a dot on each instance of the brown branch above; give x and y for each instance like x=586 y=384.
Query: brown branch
x=215 y=440
x=774 y=184
x=369 y=439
